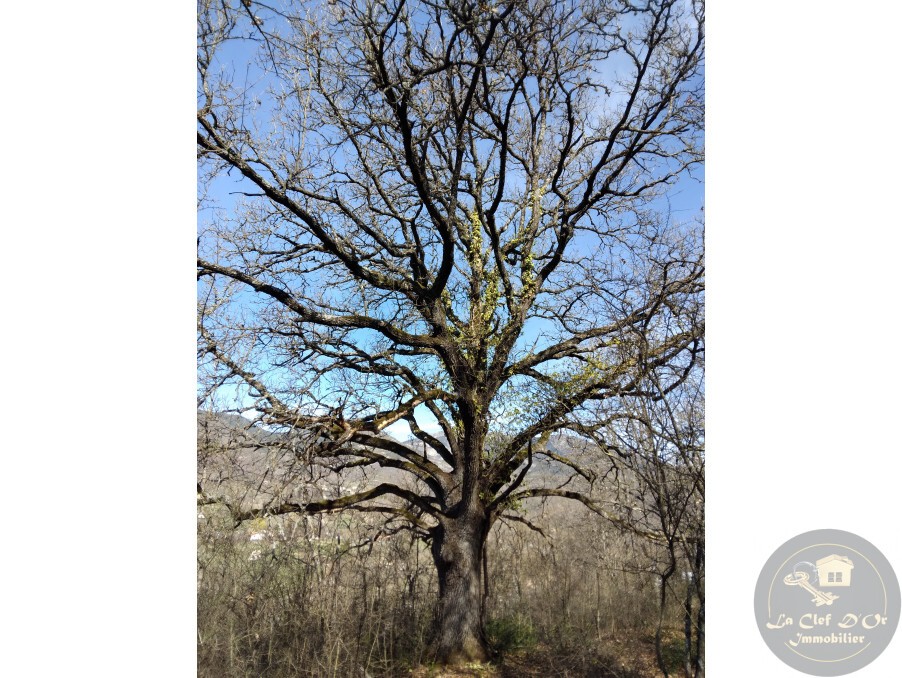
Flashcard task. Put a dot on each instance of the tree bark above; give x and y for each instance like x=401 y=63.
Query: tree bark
x=457 y=548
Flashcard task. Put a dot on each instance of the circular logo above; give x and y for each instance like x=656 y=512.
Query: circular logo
x=827 y=602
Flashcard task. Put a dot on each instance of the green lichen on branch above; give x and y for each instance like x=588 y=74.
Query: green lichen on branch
x=474 y=249
x=588 y=372
x=525 y=237
x=528 y=275
x=485 y=293
x=491 y=296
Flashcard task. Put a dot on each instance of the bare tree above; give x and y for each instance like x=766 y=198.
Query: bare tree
x=448 y=214
x=660 y=445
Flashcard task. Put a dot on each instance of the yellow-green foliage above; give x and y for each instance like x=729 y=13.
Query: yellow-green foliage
x=491 y=297
x=479 y=330
x=527 y=269
x=568 y=382
x=528 y=275
x=475 y=251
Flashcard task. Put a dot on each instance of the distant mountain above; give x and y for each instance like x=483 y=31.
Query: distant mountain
x=250 y=466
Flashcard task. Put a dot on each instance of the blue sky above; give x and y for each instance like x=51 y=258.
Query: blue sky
x=683 y=200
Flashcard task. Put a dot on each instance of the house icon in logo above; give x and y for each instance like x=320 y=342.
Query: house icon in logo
x=834 y=570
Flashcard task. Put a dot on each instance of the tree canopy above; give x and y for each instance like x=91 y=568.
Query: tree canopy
x=449 y=214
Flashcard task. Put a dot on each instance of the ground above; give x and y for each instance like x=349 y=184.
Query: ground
x=621 y=657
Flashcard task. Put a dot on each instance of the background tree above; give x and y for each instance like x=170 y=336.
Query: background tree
x=448 y=216
x=660 y=456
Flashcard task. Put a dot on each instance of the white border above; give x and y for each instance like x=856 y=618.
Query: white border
x=803 y=248
x=98 y=387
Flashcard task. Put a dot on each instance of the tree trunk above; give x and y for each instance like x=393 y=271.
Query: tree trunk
x=457 y=548
x=699 y=663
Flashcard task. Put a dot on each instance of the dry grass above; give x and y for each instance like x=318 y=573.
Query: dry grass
x=621 y=657
x=325 y=601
